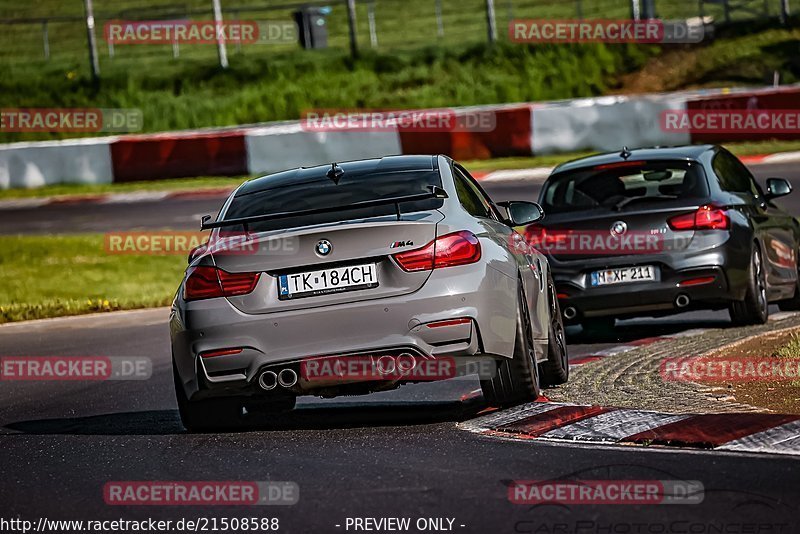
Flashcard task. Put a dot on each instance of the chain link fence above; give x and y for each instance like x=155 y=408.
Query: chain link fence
x=55 y=30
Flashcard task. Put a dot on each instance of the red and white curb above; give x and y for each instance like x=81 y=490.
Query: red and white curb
x=780 y=157
x=551 y=421
x=557 y=422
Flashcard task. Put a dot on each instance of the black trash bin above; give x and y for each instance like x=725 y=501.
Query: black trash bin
x=312 y=26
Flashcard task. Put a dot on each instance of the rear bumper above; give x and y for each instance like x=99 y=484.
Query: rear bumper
x=725 y=263
x=396 y=324
x=654 y=298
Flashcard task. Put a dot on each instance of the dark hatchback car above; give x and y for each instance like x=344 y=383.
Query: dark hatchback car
x=656 y=231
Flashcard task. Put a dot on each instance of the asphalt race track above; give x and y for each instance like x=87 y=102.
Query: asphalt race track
x=393 y=454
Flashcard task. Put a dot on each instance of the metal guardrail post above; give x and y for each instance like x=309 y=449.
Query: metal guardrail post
x=221 y=50
x=785 y=12
x=439 y=20
x=351 y=20
x=491 y=21
x=93 y=61
x=46 y=40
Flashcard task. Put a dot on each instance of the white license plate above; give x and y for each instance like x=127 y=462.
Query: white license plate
x=624 y=275
x=324 y=281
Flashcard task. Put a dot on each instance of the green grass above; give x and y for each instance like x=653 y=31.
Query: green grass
x=68 y=275
x=195 y=93
x=791 y=349
x=410 y=68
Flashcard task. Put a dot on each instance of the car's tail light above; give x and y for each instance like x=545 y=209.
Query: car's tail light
x=221 y=352
x=459 y=248
x=210 y=282
x=449 y=322
x=700 y=280
x=704 y=218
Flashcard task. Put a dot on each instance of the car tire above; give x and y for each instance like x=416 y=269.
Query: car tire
x=555 y=370
x=754 y=308
x=517 y=379
x=207 y=415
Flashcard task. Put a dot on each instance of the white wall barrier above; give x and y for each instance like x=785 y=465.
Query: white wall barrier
x=73 y=161
x=283 y=147
x=604 y=124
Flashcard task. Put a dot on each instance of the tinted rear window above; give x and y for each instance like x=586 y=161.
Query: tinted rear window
x=323 y=192
x=607 y=187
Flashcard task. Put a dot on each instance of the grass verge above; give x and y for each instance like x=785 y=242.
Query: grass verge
x=53 y=276
x=777 y=395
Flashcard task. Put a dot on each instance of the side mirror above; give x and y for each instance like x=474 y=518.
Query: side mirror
x=203 y=221
x=521 y=213
x=777 y=187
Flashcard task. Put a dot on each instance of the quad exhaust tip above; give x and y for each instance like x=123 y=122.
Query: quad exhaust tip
x=268 y=380
x=681 y=301
x=570 y=313
x=287 y=378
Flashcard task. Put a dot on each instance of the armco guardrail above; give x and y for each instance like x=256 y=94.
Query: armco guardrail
x=602 y=123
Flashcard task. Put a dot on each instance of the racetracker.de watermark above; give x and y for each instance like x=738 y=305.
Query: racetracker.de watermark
x=653 y=31
x=70 y=120
x=635 y=492
x=386 y=367
x=406 y=120
x=74 y=368
x=246 y=32
x=744 y=121
x=707 y=369
x=587 y=242
x=179 y=243
x=201 y=493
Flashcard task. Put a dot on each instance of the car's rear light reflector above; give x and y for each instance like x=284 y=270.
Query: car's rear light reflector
x=206 y=282
x=449 y=322
x=458 y=248
x=704 y=218
x=222 y=352
x=700 y=280
x=562 y=295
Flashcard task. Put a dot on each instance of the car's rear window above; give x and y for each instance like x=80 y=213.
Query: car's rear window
x=623 y=185
x=323 y=192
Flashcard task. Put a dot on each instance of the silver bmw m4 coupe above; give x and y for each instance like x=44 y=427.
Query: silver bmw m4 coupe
x=360 y=277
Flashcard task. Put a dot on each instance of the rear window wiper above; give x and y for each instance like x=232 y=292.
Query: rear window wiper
x=625 y=201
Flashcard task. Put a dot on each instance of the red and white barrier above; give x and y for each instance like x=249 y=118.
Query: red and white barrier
x=73 y=161
x=287 y=146
x=602 y=123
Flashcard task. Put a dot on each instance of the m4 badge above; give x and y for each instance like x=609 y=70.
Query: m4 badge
x=398 y=244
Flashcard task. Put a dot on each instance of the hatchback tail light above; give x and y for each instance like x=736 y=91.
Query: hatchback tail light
x=459 y=248
x=704 y=218
x=210 y=282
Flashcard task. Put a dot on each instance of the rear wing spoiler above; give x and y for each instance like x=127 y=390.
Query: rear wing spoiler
x=433 y=192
